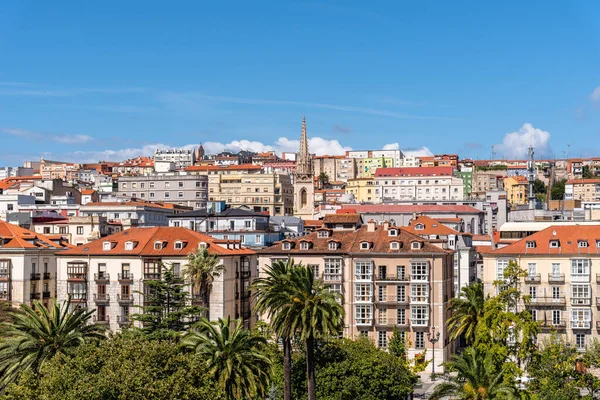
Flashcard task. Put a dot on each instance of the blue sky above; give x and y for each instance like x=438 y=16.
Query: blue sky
x=113 y=79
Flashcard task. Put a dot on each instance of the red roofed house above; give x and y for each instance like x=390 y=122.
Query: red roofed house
x=107 y=274
x=27 y=264
x=562 y=265
x=89 y=195
x=583 y=189
x=389 y=278
x=420 y=183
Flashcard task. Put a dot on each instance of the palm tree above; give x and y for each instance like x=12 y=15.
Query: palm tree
x=467 y=311
x=313 y=313
x=38 y=334
x=234 y=357
x=272 y=294
x=323 y=179
x=478 y=378
x=201 y=269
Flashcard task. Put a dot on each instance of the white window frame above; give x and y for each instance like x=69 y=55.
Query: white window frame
x=419 y=315
x=304 y=245
x=363 y=314
x=364 y=245
x=419 y=271
x=333 y=245
x=580 y=269
x=332 y=270
x=363 y=292
x=363 y=270
x=106 y=246
x=286 y=246
x=394 y=246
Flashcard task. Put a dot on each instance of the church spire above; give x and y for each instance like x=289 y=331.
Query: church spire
x=304 y=163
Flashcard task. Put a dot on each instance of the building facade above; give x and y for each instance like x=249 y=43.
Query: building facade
x=181 y=158
x=304 y=188
x=587 y=190
x=176 y=188
x=517 y=188
x=108 y=275
x=423 y=183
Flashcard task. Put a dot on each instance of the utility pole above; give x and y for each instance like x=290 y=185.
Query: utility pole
x=531 y=177
x=493 y=152
x=569 y=152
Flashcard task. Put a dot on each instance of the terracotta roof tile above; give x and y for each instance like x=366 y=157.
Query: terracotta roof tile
x=342 y=219
x=582 y=181
x=430 y=227
x=15 y=237
x=241 y=167
x=410 y=208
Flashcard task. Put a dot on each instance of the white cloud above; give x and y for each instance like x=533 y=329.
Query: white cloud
x=72 y=139
x=391 y=146
x=595 y=96
x=515 y=144
x=64 y=138
x=423 y=151
x=20 y=133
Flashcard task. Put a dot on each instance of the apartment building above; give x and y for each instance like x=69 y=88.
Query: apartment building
x=517 y=189
x=131 y=213
x=77 y=230
x=389 y=278
x=485 y=181
x=363 y=189
x=440 y=160
x=181 y=158
x=337 y=168
x=108 y=275
x=249 y=185
x=423 y=183
x=176 y=188
x=367 y=161
x=587 y=190
x=134 y=166
x=27 y=265
x=68 y=172
x=562 y=264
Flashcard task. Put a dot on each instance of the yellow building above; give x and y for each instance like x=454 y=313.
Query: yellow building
x=516 y=190
x=363 y=189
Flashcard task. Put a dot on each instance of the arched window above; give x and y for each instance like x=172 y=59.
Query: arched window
x=303 y=198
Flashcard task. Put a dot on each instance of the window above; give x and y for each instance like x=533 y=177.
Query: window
x=580 y=340
x=363 y=292
x=4 y=269
x=419 y=315
x=580 y=295
x=580 y=270
x=556 y=314
x=382 y=272
x=286 y=245
x=393 y=232
x=128 y=245
x=304 y=245
x=315 y=269
x=382 y=339
x=46 y=230
x=555 y=292
x=323 y=234
x=333 y=245
x=500 y=267
x=152 y=269
x=415 y=245
x=333 y=269
x=364 y=245
x=530 y=244
x=401 y=272
x=581 y=318
x=167 y=184
x=532 y=270
x=400 y=293
x=363 y=270
x=419 y=293
x=554 y=244
x=180 y=184
x=394 y=245
x=80 y=230
x=176 y=269
x=247 y=224
x=556 y=269
x=102 y=271
x=258 y=239
x=419 y=271
x=123 y=186
x=142 y=185
x=180 y=195
x=419 y=227
x=401 y=316
x=158 y=245
x=62 y=230
x=151 y=194
x=533 y=292
x=106 y=246
x=364 y=314
x=166 y=195
x=151 y=184
x=533 y=315
x=178 y=245
x=9 y=207
x=419 y=340
x=125 y=271
x=582 y=243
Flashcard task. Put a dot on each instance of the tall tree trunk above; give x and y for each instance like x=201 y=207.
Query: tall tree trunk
x=310 y=368
x=287 y=369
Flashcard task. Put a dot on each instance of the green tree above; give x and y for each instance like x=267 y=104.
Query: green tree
x=124 y=368
x=587 y=173
x=272 y=296
x=479 y=377
x=235 y=358
x=38 y=334
x=558 y=190
x=467 y=310
x=314 y=313
x=323 y=180
x=166 y=311
x=397 y=346
x=201 y=269
x=539 y=187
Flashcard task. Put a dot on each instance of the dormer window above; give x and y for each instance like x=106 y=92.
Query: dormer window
x=333 y=245
x=304 y=245
x=286 y=246
x=530 y=244
x=554 y=244
x=419 y=227
x=582 y=243
x=202 y=245
x=364 y=245
x=323 y=234
x=178 y=245
x=128 y=245
x=158 y=245
x=393 y=232
x=415 y=245
x=597 y=243
x=106 y=246
x=394 y=246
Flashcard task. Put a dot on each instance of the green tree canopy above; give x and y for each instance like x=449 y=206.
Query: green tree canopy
x=558 y=190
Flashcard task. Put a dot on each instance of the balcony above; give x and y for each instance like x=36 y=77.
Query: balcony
x=548 y=300
x=363 y=321
x=124 y=299
x=34 y=296
x=101 y=298
x=332 y=277
x=124 y=320
x=76 y=277
x=391 y=278
x=125 y=278
x=78 y=297
x=47 y=276
x=581 y=324
x=152 y=276
x=46 y=295
x=581 y=301
x=561 y=324
x=35 y=276
x=556 y=278
x=363 y=299
x=4 y=277
x=391 y=299
x=101 y=319
x=419 y=299
x=533 y=278
x=102 y=277
x=420 y=322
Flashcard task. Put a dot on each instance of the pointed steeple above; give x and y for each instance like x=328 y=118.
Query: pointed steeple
x=303 y=163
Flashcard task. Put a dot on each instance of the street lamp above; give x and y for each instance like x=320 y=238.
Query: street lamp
x=433 y=339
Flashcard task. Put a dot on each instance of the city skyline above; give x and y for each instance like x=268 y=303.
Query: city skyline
x=426 y=78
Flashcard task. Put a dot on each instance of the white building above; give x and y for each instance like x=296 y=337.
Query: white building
x=131 y=213
x=423 y=183
x=12 y=203
x=108 y=274
x=180 y=157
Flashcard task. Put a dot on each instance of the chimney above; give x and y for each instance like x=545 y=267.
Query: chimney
x=414 y=215
x=371 y=225
x=386 y=225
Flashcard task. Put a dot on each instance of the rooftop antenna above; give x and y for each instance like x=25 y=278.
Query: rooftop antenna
x=531 y=177
x=493 y=152
x=569 y=152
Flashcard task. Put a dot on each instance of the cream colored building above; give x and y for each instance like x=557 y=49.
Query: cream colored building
x=337 y=168
x=587 y=190
x=422 y=183
x=363 y=189
x=108 y=274
x=389 y=278
x=78 y=230
x=247 y=184
x=517 y=189
x=27 y=265
x=563 y=266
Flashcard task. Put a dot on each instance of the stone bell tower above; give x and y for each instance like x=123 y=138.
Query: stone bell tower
x=304 y=189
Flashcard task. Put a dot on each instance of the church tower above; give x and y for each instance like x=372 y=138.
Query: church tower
x=304 y=189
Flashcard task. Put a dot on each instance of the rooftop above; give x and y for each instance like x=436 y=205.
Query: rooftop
x=412 y=208
x=15 y=237
x=414 y=172
x=424 y=225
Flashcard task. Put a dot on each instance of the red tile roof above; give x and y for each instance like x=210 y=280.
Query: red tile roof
x=241 y=167
x=582 y=181
x=88 y=191
x=129 y=204
x=146 y=237
x=410 y=208
x=15 y=237
x=430 y=227
x=414 y=171
x=567 y=235
x=342 y=219
x=313 y=222
x=452 y=220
